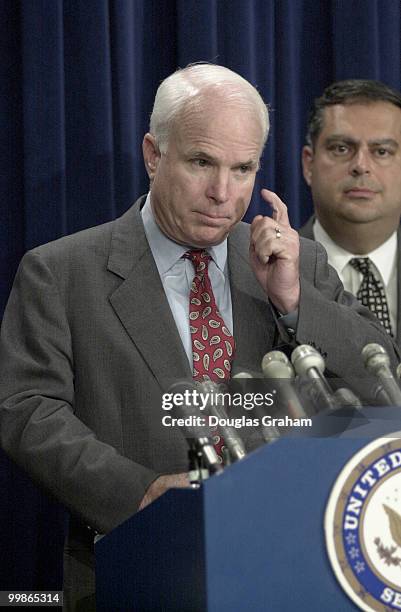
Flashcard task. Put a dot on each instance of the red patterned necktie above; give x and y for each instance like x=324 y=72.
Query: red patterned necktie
x=213 y=345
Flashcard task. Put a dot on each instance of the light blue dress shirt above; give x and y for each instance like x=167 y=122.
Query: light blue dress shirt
x=177 y=274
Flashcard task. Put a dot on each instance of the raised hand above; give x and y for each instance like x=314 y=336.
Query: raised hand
x=274 y=255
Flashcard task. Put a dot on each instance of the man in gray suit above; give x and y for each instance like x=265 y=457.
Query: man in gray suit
x=352 y=163
x=97 y=324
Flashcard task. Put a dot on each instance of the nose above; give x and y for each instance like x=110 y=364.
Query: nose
x=360 y=163
x=219 y=186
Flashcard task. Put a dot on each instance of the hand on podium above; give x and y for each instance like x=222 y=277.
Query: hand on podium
x=161 y=485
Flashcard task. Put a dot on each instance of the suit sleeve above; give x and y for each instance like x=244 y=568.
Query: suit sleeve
x=38 y=427
x=333 y=321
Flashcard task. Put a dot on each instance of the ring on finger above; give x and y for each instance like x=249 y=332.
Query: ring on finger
x=278 y=232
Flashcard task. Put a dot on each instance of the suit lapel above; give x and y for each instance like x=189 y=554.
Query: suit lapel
x=142 y=307
x=140 y=301
x=253 y=321
x=307 y=230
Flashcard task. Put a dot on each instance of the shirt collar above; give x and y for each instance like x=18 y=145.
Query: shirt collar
x=339 y=257
x=165 y=251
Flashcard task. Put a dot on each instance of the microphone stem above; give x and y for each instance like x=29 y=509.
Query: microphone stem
x=231 y=438
x=390 y=385
x=209 y=455
x=321 y=389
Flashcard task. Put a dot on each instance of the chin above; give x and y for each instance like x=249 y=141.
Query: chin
x=361 y=212
x=208 y=239
x=360 y=218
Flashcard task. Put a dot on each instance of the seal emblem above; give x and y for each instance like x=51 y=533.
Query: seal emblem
x=363 y=526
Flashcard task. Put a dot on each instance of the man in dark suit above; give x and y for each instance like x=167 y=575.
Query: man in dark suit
x=352 y=163
x=99 y=324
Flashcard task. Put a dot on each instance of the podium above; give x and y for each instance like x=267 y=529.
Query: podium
x=250 y=539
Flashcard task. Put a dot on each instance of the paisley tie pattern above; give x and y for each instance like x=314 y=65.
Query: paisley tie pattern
x=212 y=343
x=371 y=292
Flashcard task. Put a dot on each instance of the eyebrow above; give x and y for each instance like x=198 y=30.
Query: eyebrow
x=202 y=155
x=251 y=162
x=349 y=140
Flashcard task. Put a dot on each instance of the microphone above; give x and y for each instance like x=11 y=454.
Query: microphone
x=379 y=394
x=345 y=397
x=377 y=362
x=308 y=362
x=269 y=433
x=276 y=365
x=216 y=408
x=196 y=439
x=240 y=375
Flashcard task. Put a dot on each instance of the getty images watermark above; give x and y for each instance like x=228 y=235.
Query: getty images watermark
x=193 y=408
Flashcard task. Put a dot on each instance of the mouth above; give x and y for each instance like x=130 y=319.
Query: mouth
x=361 y=193
x=212 y=220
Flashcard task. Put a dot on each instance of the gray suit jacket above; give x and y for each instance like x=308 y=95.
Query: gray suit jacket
x=307 y=232
x=88 y=345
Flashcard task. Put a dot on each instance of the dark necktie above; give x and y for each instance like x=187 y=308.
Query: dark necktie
x=371 y=292
x=213 y=345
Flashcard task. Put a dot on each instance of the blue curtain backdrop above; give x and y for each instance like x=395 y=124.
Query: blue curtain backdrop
x=77 y=80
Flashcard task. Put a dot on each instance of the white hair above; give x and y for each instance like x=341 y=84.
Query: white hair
x=194 y=82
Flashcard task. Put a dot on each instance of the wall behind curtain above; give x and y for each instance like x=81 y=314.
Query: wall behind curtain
x=77 y=80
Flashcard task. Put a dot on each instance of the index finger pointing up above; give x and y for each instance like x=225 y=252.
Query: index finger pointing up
x=280 y=213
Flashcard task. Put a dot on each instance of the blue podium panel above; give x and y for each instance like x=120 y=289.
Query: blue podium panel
x=274 y=541
x=155 y=560
x=249 y=539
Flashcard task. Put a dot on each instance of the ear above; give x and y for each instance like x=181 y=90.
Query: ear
x=151 y=155
x=307 y=163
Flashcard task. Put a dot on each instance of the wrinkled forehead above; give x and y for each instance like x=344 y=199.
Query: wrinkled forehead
x=219 y=116
x=376 y=117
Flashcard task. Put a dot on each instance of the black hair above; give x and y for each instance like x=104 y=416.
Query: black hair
x=350 y=91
